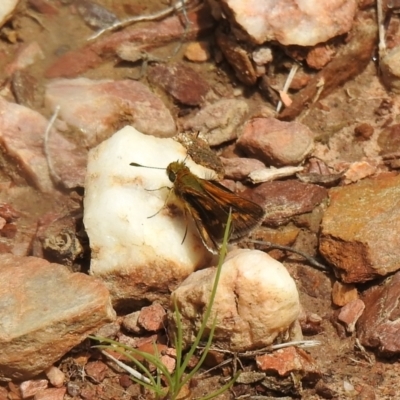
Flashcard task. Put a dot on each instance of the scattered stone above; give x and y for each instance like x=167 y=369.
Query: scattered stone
x=96 y=370
x=152 y=318
x=364 y=131
x=130 y=323
x=363 y=245
x=55 y=376
x=319 y=56
x=45 y=325
x=359 y=170
x=289 y=22
x=218 y=122
x=270 y=174
x=7 y=8
x=237 y=56
x=110 y=330
x=379 y=325
x=155 y=33
x=119 y=199
x=95 y=15
x=248 y=377
x=197 y=52
x=256 y=302
x=238 y=168
x=183 y=83
x=26 y=55
x=390 y=69
x=31 y=387
x=275 y=142
x=310 y=323
x=284 y=199
x=22 y=133
x=98 y=108
x=343 y=293
x=290 y=360
x=350 y=313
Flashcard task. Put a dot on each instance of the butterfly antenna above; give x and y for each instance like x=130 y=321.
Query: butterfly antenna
x=144 y=166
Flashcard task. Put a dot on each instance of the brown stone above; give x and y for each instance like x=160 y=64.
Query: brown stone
x=46 y=311
x=379 y=326
x=360 y=229
x=183 y=83
x=343 y=293
x=285 y=199
x=275 y=142
x=152 y=318
x=350 y=313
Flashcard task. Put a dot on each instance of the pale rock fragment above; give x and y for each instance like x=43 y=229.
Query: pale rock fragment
x=256 y=301
x=6 y=9
x=98 y=107
x=142 y=244
x=218 y=122
x=292 y=22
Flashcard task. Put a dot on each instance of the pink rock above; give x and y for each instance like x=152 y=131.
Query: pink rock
x=350 y=313
x=27 y=55
x=46 y=311
x=239 y=168
x=275 y=142
x=98 y=108
x=97 y=370
x=292 y=22
x=152 y=318
x=379 y=325
x=287 y=361
x=30 y=388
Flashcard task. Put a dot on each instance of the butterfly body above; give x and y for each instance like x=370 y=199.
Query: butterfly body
x=209 y=203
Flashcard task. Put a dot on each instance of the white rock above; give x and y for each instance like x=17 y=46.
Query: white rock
x=6 y=9
x=256 y=301
x=298 y=22
x=138 y=254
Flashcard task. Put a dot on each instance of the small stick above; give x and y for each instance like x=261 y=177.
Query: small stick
x=140 y=18
x=53 y=173
x=288 y=82
x=310 y=259
x=127 y=368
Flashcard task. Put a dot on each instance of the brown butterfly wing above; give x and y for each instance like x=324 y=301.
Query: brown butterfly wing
x=210 y=209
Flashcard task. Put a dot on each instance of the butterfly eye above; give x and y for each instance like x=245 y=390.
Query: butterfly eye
x=171 y=176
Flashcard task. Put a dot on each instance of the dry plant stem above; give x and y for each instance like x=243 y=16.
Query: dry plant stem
x=381 y=29
x=127 y=368
x=178 y=6
x=288 y=82
x=310 y=259
x=53 y=173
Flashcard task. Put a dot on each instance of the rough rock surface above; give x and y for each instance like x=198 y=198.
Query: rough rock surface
x=135 y=226
x=360 y=229
x=275 y=142
x=97 y=108
x=379 y=326
x=292 y=22
x=46 y=310
x=256 y=301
